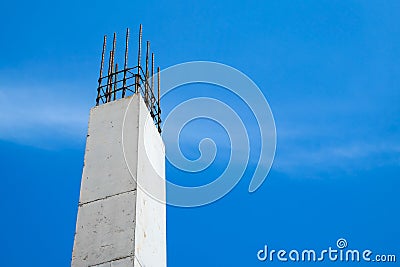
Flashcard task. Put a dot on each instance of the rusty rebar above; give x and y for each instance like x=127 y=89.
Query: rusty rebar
x=146 y=86
x=112 y=65
x=109 y=71
x=111 y=80
x=107 y=91
x=139 y=56
x=125 y=62
x=115 y=81
x=101 y=70
x=152 y=100
x=158 y=102
x=114 y=44
x=102 y=55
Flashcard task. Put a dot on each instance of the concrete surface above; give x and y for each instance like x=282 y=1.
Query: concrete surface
x=119 y=223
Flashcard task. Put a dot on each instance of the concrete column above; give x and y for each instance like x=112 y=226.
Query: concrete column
x=119 y=223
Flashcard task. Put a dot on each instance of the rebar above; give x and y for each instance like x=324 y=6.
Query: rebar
x=109 y=71
x=158 y=102
x=115 y=81
x=152 y=99
x=139 y=56
x=135 y=79
x=125 y=63
x=101 y=69
x=146 y=85
x=111 y=79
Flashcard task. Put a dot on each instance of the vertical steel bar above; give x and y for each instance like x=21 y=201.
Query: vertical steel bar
x=125 y=63
x=152 y=82
x=139 y=56
x=115 y=81
x=112 y=66
x=108 y=76
x=111 y=78
x=146 y=86
x=158 y=102
x=102 y=55
x=114 y=44
x=101 y=69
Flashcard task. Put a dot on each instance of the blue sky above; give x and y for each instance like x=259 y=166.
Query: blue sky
x=329 y=69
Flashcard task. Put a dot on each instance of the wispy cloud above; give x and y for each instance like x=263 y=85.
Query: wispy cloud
x=41 y=116
x=339 y=156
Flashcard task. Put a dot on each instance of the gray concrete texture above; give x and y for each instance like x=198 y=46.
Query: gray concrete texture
x=119 y=222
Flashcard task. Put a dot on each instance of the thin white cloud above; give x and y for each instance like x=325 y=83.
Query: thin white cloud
x=40 y=116
x=347 y=156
